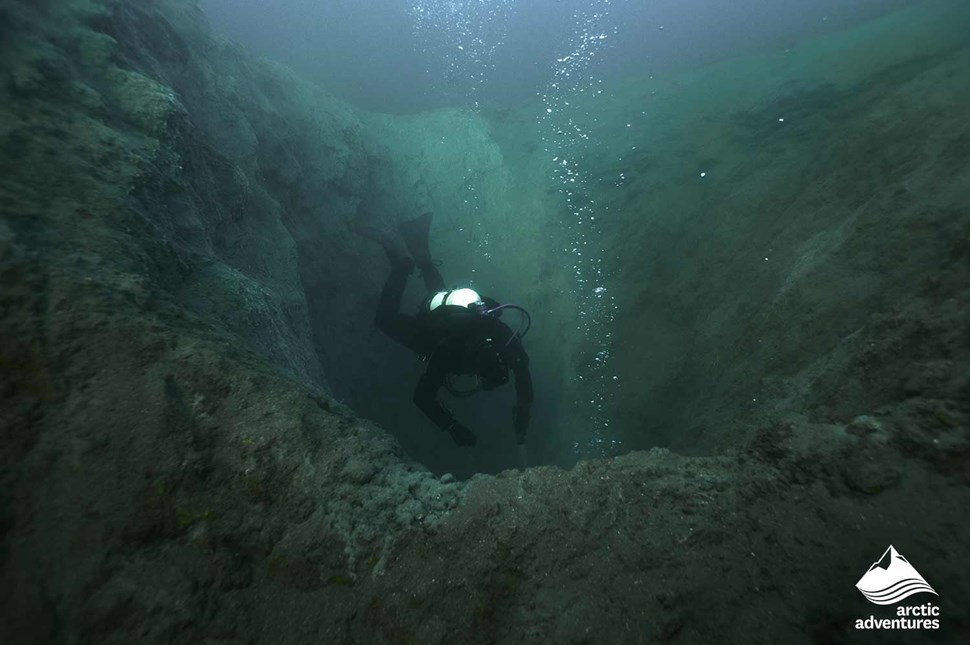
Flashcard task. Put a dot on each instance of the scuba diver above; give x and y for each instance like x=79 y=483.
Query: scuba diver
x=455 y=332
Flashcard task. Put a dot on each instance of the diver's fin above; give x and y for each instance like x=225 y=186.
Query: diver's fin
x=415 y=233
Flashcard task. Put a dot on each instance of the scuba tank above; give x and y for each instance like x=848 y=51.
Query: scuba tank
x=470 y=300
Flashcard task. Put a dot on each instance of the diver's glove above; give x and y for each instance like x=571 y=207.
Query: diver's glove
x=461 y=435
x=520 y=419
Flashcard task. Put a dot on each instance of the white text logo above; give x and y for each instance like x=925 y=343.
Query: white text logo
x=889 y=580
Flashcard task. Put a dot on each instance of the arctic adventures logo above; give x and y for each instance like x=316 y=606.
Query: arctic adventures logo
x=888 y=581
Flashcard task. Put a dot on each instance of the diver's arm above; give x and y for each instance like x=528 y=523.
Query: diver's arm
x=426 y=398
x=523 y=395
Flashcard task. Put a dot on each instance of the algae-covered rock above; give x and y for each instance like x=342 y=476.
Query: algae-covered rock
x=181 y=298
x=145 y=102
x=96 y=50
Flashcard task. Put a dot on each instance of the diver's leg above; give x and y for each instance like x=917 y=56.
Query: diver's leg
x=416 y=233
x=433 y=281
x=389 y=318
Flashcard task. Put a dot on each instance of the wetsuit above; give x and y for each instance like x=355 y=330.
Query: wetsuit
x=448 y=338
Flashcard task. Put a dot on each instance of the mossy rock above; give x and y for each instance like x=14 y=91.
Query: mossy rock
x=185 y=519
x=96 y=50
x=145 y=103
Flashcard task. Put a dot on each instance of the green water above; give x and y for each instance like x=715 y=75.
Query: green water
x=750 y=291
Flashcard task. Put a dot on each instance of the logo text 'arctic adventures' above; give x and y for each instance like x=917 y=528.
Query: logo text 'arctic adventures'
x=889 y=580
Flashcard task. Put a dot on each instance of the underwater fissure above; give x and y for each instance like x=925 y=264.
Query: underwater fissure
x=206 y=437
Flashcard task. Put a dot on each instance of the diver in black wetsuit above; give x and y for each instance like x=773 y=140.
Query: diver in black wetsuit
x=455 y=332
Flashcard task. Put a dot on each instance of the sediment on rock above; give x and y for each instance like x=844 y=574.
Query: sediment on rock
x=176 y=464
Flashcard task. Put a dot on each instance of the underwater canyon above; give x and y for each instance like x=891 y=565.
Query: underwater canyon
x=205 y=439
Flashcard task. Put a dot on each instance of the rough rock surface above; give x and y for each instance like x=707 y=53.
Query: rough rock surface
x=173 y=473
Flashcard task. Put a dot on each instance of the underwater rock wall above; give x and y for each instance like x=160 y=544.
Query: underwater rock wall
x=799 y=241
x=157 y=369
x=170 y=472
x=267 y=171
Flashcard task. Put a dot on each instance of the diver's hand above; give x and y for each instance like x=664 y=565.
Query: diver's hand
x=461 y=435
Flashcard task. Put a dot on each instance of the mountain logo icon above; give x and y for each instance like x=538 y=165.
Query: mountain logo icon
x=892 y=578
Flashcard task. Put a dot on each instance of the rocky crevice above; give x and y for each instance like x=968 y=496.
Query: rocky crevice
x=175 y=469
